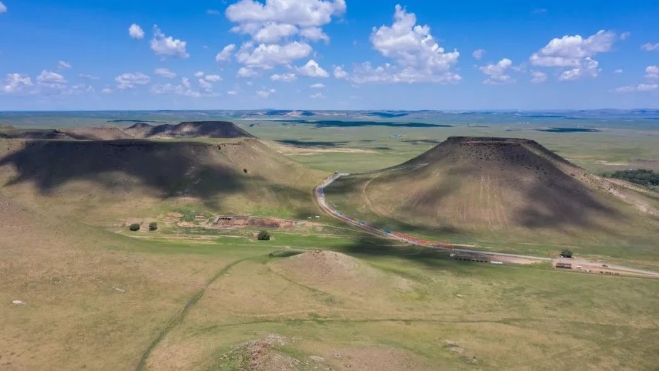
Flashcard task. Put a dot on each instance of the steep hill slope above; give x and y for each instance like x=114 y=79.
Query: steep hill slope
x=493 y=186
x=102 y=179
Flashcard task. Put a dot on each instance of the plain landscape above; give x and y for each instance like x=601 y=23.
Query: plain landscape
x=166 y=240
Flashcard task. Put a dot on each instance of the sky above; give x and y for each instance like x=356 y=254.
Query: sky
x=328 y=54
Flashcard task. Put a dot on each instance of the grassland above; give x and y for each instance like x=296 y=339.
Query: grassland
x=187 y=297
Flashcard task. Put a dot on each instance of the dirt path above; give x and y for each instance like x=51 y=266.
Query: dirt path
x=178 y=318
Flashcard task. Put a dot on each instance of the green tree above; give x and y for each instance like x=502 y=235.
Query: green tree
x=263 y=236
x=153 y=226
x=134 y=227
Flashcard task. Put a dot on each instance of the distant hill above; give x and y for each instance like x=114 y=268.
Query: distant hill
x=478 y=187
x=141 y=130
x=196 y=129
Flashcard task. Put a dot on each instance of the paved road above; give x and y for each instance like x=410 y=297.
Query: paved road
x=322 y=202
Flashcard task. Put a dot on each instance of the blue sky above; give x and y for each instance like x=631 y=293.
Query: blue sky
x=328 y=54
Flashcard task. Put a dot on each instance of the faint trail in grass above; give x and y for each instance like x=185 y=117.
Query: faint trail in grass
x=180 y=316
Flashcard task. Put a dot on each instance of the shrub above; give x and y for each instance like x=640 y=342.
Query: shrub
x=153 y=226
x=263 y=236
x=566 y=254
x=134 y=227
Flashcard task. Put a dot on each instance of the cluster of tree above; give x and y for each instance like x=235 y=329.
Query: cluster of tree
x=643 y=177
x=263 y=236
x=136 y=227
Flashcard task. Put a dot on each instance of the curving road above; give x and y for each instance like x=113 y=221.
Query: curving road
x=319 y=193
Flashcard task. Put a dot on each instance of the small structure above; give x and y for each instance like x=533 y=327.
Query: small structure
x=476 y=258
x=564 y=265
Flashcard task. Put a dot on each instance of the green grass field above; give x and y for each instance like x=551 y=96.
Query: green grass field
x=99 y=297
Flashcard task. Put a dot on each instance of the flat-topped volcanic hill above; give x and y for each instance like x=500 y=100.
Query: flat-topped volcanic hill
x=196 y=129
x=101 y=178
x=468 y=184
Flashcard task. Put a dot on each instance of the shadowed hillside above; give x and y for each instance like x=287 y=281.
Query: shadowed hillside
x=489 y=186
x=117 y=177
x=197 y=129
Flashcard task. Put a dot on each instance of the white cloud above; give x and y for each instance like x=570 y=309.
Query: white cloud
x=62 y=65
x=106 y=91
x=647 y=87
x=266 y=56
x=199 y=74
x=575 y=53
x=625 y=35
x=272 y=32
x=652 y=72
x=136 y=32
x=312 y=69
x=588 y=68
x=317 y=86
x=247 y=72
x=264 y=93
x=316 y=96
x=636 y=88
x=478 y=54
x=538 y=77
x=50 y=78
x=225 y=54
x=340 y=73
x=619 y=70
x=285 y=77
x=305 y=13
x=3 y=8
x=164 y=72
x=497 y=72
x=232 y=92
x=417 y=56
x=205 y=85
x=650 y=47
x=88 y=77
x=16 y=83
x=213 y=12
x=167 y=46
x=130 y=80
x=213 y=78
x=314 y=34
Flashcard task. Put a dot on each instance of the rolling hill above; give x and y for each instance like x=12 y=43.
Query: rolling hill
x=196 y=129
x=499 y=189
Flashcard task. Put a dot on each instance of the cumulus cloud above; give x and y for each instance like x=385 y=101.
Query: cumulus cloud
x=136 y=32
x=62 y=65
x=106 y=91
x=619 y=70
x=625 y=35
x=247 y=72
x=265 y=93
x=3 y=8
x=130 y=80
x=281 y=30
x=225 y=54
x=650 y=47
x=340 y=73
x=185 y=88
x=213 y=12
x=213 y=78
x=312 y=69
x=266 y=56
x=478 y=54
x=232 y=92
x=652 y=72
x=416 y=54
x=16 y=83
x=574 y=54
x=538 y=77
x=50 y=78
x=167 y=46
x=285 y=77
x=588 y=68
x=164 y=72
x=199 y=74
x=317 y=86
x=316 y=95
x=497 y=72
x=636 y=88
